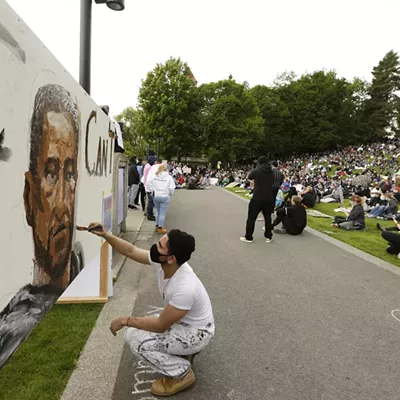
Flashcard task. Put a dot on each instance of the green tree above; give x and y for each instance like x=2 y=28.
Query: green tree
x=356 y=102
x=276 y=118
x=170 y=103
x=231 y=121
x=134 y=132
x=382 y=106
x=315 y=112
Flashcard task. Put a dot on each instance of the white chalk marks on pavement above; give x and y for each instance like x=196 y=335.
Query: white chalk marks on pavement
x=396 y=314
x=144 y=376
x=155 y=311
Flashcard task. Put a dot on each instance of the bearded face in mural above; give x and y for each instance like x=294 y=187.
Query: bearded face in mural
x=49 y=198
x=50 y=183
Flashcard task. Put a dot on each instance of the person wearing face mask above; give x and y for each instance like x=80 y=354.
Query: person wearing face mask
x=169 y=342
x=355 y=219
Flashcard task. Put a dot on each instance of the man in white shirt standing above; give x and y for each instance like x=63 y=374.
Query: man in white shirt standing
x=169 y=342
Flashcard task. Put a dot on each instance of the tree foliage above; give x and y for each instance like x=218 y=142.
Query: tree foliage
x=231 y=120
x=134 y=132
x=381 y=109
x=228 y=121
x=170 y=103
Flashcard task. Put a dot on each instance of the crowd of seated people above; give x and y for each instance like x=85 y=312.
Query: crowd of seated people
x=366 y=174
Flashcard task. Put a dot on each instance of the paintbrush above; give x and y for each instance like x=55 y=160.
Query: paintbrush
x=84 y=228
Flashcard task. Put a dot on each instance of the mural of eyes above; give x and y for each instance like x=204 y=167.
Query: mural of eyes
x=69 y=170
x=51 y=170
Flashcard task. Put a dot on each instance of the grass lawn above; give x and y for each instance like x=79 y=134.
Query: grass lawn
x=42 y=365
x=369 y=241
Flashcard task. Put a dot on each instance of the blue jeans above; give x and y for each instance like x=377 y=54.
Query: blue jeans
x=377 y=211
x=161 y=204
x=150 y=205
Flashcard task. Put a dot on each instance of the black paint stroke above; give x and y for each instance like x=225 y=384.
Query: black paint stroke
x=104 y=159
x=92 y=115
x=111 y=134
x=5 y=152
x=99 y=167
x=98 y=162
x=8 y=39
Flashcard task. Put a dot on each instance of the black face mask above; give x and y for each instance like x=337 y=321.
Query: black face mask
x=155 y=254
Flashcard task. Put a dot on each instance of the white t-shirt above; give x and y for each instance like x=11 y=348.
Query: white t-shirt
x=186 y=292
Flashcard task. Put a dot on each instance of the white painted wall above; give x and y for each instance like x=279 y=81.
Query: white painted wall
x=25 y=66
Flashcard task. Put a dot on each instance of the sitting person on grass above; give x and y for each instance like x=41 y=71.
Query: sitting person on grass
x=385 y=211
x=336 y=196
x=293 y=218
x=392 y=238
x=308 y=197
x=355 y=219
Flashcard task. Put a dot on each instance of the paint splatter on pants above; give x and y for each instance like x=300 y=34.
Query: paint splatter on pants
x=162 y=350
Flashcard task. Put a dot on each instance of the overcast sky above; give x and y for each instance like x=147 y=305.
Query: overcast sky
x=253 y=40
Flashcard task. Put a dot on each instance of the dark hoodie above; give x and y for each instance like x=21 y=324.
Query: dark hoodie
x=263 y=177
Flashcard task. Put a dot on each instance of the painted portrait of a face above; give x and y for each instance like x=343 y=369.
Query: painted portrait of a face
x=50 y=183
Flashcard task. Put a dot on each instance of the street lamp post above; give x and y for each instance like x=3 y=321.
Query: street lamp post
x=86 y=37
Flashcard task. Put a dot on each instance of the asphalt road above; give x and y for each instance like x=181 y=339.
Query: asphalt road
x=297 y=318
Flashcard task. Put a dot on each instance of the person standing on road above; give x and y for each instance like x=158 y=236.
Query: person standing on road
x=133 y=183
x=150 y=177
x=262 y=200
x=163 y=187
x=141 y=192
x=150 y=203
x=169 y=342
x=278 y=178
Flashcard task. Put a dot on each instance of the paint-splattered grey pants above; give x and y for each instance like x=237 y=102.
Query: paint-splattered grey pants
x=162 y=350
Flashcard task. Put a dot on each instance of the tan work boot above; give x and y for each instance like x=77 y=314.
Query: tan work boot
x=161 y=230
x=169 y=386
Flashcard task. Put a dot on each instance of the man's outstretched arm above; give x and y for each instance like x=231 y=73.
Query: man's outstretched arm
x=122 y=246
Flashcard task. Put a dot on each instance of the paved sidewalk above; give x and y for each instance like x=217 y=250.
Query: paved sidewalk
x=96 y=372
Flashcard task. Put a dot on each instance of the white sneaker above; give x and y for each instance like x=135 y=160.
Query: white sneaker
x=268 y=240
x=243 y=239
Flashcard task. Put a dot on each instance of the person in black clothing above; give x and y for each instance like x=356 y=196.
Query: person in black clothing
x=355 y=218
x=278 y=179
x=141 y=192
x=262 y=200
x=292 y=192
x=293 y=218
x=308 y=197
x=393 y=239
x=133 y=183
